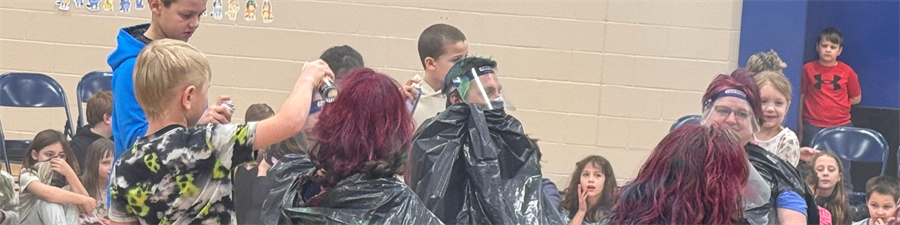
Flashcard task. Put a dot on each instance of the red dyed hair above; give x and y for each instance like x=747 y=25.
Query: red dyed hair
x=694 y=176
x=367 y=129
x=741 y=79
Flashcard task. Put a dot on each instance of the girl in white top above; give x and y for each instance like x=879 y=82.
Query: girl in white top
x=775 y=92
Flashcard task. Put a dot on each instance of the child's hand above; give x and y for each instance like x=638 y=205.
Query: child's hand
x=88 y=205
x=807 y=153
x=409 y=91
x=313 y=72
x=582 y=198
x=216 y=114
x=62 y=167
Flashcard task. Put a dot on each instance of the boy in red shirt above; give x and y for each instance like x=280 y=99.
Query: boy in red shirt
x=828 y=88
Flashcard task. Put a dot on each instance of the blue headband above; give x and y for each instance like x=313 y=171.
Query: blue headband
x=728 y=93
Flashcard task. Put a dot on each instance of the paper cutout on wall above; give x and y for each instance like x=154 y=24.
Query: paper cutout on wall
x=217 y=10
x=108 y=5
x=267 y=12
x=234 y=6
x=139 y=4
x=250 y=14
x=64 y=5
x=93 y=5
x=79 y=3
x=124 y=6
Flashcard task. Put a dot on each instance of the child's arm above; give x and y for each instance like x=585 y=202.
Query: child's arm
x=57 y=195
x=63 y=168
x=853 y=90
x=290 y=118
x=803 y=83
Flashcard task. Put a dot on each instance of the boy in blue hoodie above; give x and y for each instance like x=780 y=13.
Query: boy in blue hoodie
x=175 y=19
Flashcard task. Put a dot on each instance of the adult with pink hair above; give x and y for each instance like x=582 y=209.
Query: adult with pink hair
x=775 y=194
x=694 y=176
x=363 y=139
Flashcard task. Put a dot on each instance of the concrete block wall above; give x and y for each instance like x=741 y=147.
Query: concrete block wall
x=603 y=77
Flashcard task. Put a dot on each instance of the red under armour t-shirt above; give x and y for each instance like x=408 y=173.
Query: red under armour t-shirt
x=828 y=91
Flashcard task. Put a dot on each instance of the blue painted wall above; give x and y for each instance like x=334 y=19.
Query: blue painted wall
x=778 y=25
x=871 y=32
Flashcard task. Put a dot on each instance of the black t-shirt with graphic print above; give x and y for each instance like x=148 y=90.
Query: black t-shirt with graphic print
x=180 y=175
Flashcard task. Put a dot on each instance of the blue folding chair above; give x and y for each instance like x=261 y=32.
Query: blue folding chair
x=685 y=120
x=31 y=90
x=89 y=85
x=853 y=144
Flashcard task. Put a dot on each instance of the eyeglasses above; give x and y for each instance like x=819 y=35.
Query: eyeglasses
x=725 y=111
x=53 y=156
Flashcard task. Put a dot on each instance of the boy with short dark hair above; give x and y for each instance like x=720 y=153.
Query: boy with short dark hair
x=179 y=173
x=882 y=193
x=828 y=88
x=99 y=117
x=440 y=46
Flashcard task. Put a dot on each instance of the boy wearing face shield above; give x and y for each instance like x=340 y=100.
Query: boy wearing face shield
x=472 y=163
x=776 y=194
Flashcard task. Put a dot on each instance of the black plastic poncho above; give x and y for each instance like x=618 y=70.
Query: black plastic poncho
x=359 y=200
x=781 y=177
x=281 y=176
x=471 y=166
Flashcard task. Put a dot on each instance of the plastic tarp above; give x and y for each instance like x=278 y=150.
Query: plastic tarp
x=282 y=176
x=360 y=200
x=781 y=177
x=476 y=166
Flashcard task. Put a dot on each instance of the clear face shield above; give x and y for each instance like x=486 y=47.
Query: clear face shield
x=731 y=109
x=485 y=92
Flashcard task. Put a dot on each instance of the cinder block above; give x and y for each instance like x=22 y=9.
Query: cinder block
x=568 y=97
x=645 y=134
x=580 y=130
x=13 y=23
x=699 y=44
x=626 y=163
x=612 y=132
x=618 y=69
x=630 y=102
x=680 y=103
x=636 y=39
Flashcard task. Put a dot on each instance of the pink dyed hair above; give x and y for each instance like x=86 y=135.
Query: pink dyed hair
x=741 y=79
x=367 y=124
x=694 y=176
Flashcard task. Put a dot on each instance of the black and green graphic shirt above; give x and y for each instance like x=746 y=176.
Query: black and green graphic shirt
x=180 y=175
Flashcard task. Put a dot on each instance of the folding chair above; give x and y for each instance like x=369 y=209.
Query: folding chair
x=90 y=84
x=31 y=90
x=853 y=144
x=685 y=120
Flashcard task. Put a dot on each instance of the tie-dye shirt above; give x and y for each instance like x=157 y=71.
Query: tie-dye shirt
x=180 y=175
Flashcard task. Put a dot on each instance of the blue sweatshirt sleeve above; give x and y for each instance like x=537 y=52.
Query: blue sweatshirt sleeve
x=128 y=120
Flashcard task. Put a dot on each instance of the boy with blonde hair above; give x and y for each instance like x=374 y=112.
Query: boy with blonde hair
x=179 y=173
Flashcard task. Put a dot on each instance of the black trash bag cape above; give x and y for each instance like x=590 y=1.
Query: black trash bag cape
x=781 y=177
x=474 y=166
x=281 y=176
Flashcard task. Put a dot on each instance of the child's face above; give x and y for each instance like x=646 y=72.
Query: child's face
x=881 y=206
x=180 y=19
x=452 y=53
x=51 y=151
x=827 y=171
x=592 y=179
x=105 y=167
x=828 y=51
x=774 y=106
